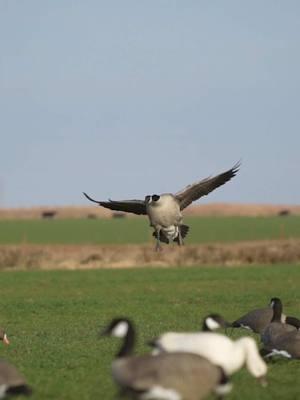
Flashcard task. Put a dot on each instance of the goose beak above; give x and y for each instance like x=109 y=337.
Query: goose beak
x=263 y=381
x=5 y=339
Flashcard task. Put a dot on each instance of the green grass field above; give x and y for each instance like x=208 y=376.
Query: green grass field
x=136 y=230
x=53 y=318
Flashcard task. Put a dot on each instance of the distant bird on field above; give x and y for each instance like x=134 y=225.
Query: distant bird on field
x=164 y=210
x=3 y=336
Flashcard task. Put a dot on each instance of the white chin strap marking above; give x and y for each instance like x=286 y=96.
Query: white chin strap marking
x=120 y=330
x=212 y=324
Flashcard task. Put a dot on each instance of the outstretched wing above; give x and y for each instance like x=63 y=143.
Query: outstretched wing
x=130 y=206
x=198 y=189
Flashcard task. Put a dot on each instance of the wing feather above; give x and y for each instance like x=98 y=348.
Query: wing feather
x=130 y=206
x=204 y=187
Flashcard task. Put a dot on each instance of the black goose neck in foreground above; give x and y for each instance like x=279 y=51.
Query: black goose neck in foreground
x=128 y=341
x=277 y=309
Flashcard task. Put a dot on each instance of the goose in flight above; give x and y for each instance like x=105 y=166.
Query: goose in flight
x=164 y=210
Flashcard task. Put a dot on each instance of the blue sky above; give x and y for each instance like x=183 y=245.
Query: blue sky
x=126 y=98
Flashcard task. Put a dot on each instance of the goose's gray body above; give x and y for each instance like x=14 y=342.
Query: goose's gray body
x=178 y=376
x=286 y=345
x=256 y=320
x=164 y=211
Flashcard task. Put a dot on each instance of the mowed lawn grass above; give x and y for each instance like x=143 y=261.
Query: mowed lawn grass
x=136 y=230
x=53 y=319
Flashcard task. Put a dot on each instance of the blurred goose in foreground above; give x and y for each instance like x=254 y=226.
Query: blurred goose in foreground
x=164 y=210
x=228 y=354
x=177 y=376
x=3 y=336
x=12 y=382
x=258 y=319
x=276 y=328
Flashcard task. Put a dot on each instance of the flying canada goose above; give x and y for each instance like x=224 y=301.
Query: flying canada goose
x=276 y=328
x=3 y=336
x=164 y=210
x=228 y=354
x=12 y=382
x=176 y=376
x=258 y=319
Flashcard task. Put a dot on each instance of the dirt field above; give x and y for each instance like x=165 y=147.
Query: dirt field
x=113 y=256
x=214 y=209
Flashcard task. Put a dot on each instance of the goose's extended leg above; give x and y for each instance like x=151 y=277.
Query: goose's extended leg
x=158 y=246
x=180 y=240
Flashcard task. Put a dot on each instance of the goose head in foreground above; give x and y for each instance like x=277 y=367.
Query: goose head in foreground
x=176 y=376
x=3 y=336
x=164 y=210
x=12 y=382
x=230 y=355
x=258 y=319
x=213 y=322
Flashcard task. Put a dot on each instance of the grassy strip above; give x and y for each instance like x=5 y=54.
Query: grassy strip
x=136 y=230
x=53 y=318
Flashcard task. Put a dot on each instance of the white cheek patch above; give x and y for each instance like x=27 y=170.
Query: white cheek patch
x=120 y=330
x=212 y=324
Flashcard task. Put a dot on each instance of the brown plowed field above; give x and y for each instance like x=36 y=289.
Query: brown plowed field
x=125 y=256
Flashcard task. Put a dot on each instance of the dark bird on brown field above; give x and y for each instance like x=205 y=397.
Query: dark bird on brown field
x=164 y=210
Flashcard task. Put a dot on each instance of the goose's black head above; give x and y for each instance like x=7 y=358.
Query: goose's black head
x=122 y=328
x=155 y=197
x=213 y=322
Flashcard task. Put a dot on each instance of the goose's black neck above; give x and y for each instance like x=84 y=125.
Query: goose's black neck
x=128 y=342
x=277 y=311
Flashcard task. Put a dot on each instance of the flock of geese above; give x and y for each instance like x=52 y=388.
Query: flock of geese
x=187 y=365
x=190 y=366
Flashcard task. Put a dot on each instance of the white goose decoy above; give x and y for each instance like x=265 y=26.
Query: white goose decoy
x=176 y=376
x=230 y=355
x=164 y=210
x=258 y=319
